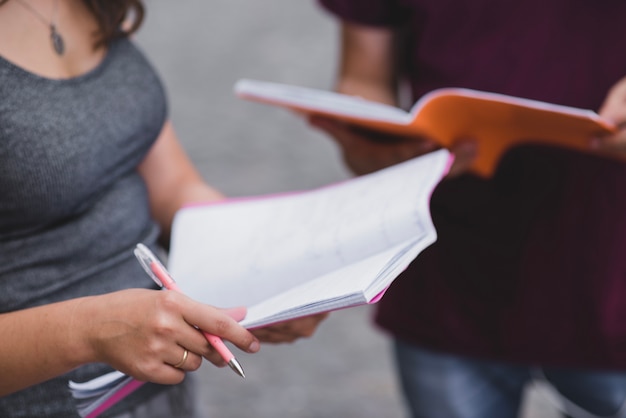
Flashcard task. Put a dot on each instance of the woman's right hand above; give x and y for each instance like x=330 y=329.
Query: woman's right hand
x=144 y=333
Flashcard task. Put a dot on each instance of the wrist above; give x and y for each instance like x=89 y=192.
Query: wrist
x=81 y=339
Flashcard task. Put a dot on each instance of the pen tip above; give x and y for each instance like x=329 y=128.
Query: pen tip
x=234 y=364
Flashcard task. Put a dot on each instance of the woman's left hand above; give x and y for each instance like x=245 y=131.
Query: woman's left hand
x=289 y=331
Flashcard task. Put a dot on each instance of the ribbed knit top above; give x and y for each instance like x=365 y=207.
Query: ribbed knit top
x=72 y=204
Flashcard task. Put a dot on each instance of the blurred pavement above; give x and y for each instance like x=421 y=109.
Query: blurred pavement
x=201 y=48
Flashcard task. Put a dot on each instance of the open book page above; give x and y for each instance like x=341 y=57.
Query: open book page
x=244 y=252
x=356 y=284
x=497 y=122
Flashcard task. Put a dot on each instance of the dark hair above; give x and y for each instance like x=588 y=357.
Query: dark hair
x=112 y=17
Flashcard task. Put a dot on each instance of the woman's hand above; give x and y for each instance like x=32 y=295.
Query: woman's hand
x=289 y=331
x=145 y=333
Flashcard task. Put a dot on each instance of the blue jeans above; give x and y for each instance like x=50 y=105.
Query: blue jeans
x=446 y=386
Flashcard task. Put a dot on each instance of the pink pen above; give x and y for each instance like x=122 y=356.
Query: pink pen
x=160 y=275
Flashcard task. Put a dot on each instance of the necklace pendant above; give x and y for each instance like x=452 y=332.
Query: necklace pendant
x=57 y=41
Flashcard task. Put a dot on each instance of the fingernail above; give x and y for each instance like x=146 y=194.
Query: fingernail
x=254 y=347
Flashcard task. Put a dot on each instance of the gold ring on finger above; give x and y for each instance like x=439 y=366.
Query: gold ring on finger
x=183 y=360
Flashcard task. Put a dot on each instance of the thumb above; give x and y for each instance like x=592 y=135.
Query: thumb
x=464 y=155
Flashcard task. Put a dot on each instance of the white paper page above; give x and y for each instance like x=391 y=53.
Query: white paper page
x=320 y=100
x=243 y=253
x=98 y=383
x=93 y=393
x=350 y=281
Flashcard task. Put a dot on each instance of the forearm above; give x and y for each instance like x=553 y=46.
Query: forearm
x=139 y=332
x=40 y=343
x=189 y=192
x=367 y=88
x=367 y=67
x=172 y=180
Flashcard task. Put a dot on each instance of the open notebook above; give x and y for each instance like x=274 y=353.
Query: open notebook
x=286 y=256
x=496 y=121
x=296 y=254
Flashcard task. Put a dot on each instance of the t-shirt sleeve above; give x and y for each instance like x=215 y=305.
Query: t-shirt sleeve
x=366 y=12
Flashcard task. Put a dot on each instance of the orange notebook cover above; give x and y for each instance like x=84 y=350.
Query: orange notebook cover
x=496 y=121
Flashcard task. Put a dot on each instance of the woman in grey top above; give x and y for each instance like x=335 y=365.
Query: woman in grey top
x=90 y=166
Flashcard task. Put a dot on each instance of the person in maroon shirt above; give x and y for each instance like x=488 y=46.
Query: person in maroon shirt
x=528 y=276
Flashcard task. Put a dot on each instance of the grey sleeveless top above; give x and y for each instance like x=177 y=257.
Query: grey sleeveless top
x=72 y=205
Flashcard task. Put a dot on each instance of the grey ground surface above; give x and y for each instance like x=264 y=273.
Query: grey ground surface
x=201 y=48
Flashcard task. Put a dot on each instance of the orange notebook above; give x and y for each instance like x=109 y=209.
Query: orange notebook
x=496 y=121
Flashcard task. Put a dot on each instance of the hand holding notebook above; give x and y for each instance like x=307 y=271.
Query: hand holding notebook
x=496 y=121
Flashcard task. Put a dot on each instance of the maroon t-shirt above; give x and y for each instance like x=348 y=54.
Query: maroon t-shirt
x=529 y=266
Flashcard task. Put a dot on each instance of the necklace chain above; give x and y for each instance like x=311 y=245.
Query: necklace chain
x=58 y=44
